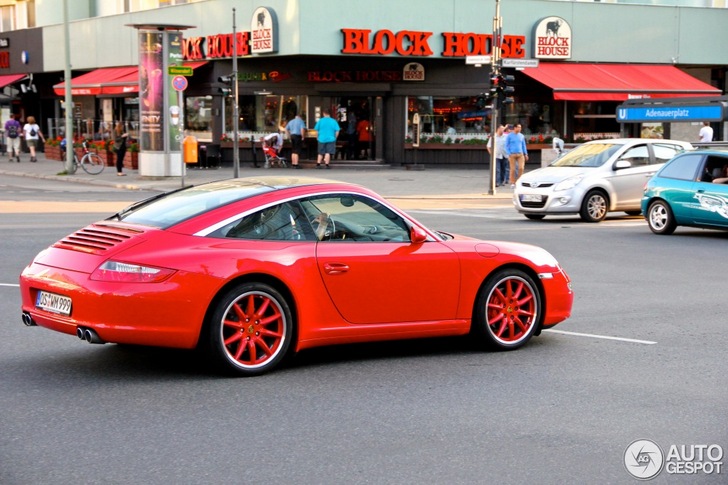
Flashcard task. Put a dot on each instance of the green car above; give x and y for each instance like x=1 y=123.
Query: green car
x=689 y=190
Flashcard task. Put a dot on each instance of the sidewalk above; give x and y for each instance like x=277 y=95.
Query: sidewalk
x=428 y=188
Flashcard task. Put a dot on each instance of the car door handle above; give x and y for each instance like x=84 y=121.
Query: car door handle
x=335 y=268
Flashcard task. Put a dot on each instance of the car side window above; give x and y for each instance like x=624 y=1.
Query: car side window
x=684 y=167
x=351 y=217
x=665 y=152
x=280 y=222
x=637 y=156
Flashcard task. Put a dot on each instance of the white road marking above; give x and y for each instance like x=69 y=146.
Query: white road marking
x=10 y=284
x=605 y=337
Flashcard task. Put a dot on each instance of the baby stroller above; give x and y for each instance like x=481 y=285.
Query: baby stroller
x=272 y=157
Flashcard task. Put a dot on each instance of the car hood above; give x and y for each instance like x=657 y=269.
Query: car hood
x=552 y=175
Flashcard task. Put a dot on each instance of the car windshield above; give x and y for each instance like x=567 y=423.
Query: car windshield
x=175 y=207
x=588 y=155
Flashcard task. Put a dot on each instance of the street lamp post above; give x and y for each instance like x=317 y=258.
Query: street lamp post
x=236 y=114
x=495 y=60
x=67 y=88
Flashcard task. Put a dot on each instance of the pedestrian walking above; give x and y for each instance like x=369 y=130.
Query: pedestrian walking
x=706 y=133
x=12 y=133
x=328 y=130
x=32 y=133
x=120 y=137
x=296 y=130
x=499 y=154
x=515 y=148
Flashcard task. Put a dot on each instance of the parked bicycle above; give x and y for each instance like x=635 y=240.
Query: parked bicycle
x=90 y=162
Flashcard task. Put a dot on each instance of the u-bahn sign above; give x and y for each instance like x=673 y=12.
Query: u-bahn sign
x=676 y=110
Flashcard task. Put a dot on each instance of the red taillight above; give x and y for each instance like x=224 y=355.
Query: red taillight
x=115 y=271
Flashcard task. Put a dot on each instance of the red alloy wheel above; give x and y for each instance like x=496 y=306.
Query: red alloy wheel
x=512 y=310
x=253 y=329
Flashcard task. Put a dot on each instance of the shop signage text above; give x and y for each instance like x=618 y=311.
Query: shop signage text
x=4 y=42
x=552 y=39
x=354 y=76
x=264 y=31
x=670 y=113
x=413 y=71
x=4 y=60
x=215 y=46
x=417 y=43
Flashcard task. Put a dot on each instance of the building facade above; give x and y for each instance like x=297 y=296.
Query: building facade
x=375 y=65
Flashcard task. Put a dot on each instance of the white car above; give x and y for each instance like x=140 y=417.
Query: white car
x=597 y=177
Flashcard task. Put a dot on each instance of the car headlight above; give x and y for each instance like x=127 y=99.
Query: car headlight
x=119 y=272
x=569 y=183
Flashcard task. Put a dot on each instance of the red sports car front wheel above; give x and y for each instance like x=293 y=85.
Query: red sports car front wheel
x=251 y=329
x=508 y=309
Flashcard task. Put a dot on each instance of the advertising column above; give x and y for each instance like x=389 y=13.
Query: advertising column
x=159 y=130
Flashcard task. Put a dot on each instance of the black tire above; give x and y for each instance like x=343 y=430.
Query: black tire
x=92 y=164
x=660 y=218
x=507 y=310
x=535 y=217
x=594 y=207
x=633 y=213
x=250 y=330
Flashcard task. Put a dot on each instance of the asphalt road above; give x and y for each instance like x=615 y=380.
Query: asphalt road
x=642 y=357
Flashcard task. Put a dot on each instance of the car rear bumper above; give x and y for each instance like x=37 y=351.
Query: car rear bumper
x=159 y=314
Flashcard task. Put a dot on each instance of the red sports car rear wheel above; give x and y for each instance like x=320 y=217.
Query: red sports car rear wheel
x=508 y=309
x=251 y=329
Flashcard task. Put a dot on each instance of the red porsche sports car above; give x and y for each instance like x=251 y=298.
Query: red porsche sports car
x=255 y=269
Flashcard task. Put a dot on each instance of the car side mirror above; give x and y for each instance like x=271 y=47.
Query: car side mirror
x=621 y=164
x=417 y=235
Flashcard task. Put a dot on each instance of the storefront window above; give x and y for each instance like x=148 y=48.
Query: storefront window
x=446 y=118
x=537 y=120
x=198 y=116
x=264 y=113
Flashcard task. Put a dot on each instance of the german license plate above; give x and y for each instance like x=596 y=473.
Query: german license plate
x=51 y=302
x=531 y=198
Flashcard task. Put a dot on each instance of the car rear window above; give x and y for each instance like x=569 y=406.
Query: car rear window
x=175 y=207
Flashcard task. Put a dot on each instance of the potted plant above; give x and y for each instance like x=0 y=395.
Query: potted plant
x=52 y=148
x=131 y=159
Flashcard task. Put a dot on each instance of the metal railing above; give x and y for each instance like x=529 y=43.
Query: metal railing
x=88 y=128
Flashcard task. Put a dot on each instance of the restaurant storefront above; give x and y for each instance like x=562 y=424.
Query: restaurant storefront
x=387 y=74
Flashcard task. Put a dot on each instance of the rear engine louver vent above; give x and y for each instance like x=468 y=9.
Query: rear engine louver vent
x=96 y=238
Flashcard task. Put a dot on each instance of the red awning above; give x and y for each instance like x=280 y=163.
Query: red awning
x=10 y=79
x=91 y=83
x=617 y=82
x=109 y=80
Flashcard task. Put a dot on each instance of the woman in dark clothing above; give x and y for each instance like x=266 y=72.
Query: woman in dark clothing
x=120 y=147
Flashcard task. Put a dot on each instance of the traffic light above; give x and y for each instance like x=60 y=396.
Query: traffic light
x=501 y=88
x=494 y=84
x=226 y=90
x=506 y=83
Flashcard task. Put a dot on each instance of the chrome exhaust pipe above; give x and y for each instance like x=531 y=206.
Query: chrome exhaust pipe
x=28 y=320
x=92 y=337
x=79 y=333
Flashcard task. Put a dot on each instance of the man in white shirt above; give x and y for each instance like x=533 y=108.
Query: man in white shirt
x=706 y=133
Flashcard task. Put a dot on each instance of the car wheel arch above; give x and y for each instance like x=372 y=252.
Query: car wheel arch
x=670 y=224
x=604 y=192
x=519 y=267
x=262 y=278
